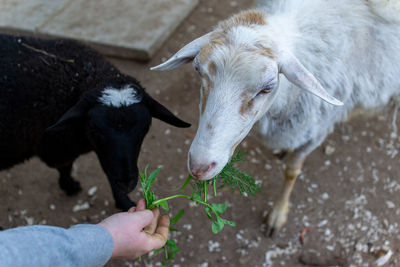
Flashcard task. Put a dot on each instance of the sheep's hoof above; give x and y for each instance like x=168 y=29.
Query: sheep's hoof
x=276 y=219
x=70 y=186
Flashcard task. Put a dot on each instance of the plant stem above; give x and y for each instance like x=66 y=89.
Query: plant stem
x=157 y=202
x=215 y=187
x=205 y=191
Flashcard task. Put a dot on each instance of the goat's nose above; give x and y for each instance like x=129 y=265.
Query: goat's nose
x=199 y=170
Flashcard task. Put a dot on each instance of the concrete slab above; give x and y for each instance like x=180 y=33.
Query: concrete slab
x=29 y=16
x=126 y=28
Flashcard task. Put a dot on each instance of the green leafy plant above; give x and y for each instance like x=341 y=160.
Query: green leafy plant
x=229 y=176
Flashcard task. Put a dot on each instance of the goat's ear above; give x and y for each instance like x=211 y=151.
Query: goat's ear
x=186 y=54
x=297 y=74
x=73 y=115
x=162 y=113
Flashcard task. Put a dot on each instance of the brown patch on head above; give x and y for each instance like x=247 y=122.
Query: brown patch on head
x=245 y=18
x=212 y=68
x=210 y=83
x=206 y=91
x=218 y=41
x=266 y=52
x=247 y=104
x=204 y=99
x=206 y=51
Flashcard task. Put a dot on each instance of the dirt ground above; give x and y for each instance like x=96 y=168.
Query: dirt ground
x=347 y=200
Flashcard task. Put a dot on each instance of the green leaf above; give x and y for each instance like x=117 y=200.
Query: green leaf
x=238 y=156
x=150 y=198
x=170 y=242
x=145 y=172
x=142 y=180
x=171 y=229
x=188 y=179
x=164 y=205
x=217 y=226
x=230 y=223
x=219 y=208
x=208 y=211
x=152 y=178
x=234 y=178
x=177 y=217
x=173 y=249
x=196 y=195
x=155 y=252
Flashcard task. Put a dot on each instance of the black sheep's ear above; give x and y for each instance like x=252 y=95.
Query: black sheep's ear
x=162 y=113
x=73 y=115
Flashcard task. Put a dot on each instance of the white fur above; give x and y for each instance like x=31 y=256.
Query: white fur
x=119 y=97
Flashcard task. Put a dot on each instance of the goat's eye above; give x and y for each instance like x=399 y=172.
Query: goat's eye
x=266 y=90
x=196 y=67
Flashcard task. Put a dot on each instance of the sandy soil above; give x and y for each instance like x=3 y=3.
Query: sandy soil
x=348 y=195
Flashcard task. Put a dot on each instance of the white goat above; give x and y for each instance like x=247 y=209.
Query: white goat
x=262 y=64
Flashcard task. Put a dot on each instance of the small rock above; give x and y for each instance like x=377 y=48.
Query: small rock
x=329 y=150
x=52 y=206
x=92 y=190
x=29 y=220
x=79 y=207
x=390 y=204
x=325 y=196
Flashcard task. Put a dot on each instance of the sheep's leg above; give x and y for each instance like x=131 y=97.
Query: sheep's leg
x=122 y=201
x=278 y=216
x=66 y=182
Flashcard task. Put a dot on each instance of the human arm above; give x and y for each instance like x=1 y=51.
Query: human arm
x=80 y=245
x=125 y=235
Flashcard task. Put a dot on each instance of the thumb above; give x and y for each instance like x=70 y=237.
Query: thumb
x=143 y=218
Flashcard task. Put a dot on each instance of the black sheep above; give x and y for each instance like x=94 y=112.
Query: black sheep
x=60 y=99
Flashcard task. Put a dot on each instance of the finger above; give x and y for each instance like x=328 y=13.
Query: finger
x=143 y=218
x=163 y=227
x=141 y=205
x=161 y=234
x=133 y=209
x=151 y=228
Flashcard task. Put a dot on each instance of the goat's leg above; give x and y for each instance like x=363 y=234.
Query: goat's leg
x=68 y=184
x=278 y=216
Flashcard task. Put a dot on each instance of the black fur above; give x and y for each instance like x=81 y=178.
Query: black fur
x=49 y=107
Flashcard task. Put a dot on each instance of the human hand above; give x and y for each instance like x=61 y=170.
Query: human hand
x=137 y=232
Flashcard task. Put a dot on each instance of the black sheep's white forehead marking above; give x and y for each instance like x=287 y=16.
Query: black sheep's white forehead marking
x=125 y=96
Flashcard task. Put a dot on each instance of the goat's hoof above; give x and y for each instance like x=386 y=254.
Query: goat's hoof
x=71 y=188
x=275 y=221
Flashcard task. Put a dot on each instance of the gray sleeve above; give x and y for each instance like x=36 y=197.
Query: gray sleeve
x=80 y=245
